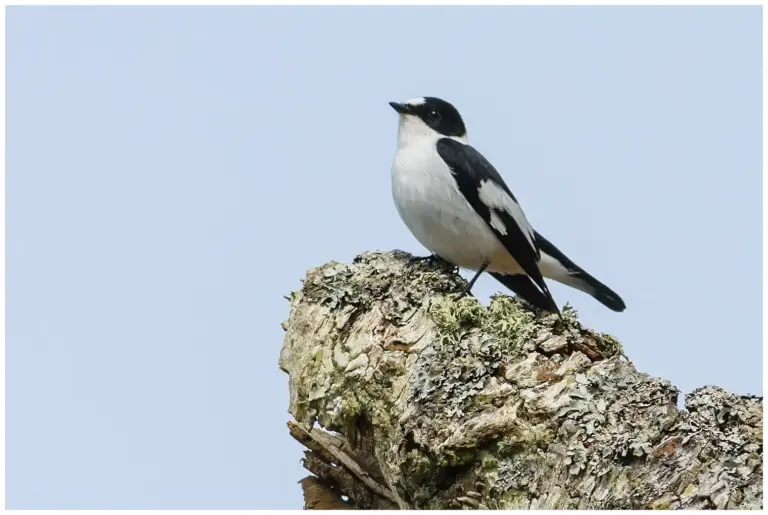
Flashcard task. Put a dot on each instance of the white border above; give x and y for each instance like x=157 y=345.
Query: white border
x=484 y=3
x=317 y=3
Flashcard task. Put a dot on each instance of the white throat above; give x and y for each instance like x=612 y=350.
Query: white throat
x=413 y=131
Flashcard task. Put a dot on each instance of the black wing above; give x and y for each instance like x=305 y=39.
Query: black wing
x=489 y=195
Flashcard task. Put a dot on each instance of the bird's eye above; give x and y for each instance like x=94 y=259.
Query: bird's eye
x=433 y=115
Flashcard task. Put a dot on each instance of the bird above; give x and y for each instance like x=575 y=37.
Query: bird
x=457 y=205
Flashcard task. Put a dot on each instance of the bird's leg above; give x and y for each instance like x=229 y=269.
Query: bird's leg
x=468 y=289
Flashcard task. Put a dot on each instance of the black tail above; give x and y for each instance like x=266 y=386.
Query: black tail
x=579 y=278
x=527 y=290
x=606 y=296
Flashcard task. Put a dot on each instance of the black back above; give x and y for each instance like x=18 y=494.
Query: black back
x=470 y=169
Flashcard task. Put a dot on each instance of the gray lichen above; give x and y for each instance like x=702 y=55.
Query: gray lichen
x=452 y=404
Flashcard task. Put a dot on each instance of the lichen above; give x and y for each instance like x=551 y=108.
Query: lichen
x=463 y=405
x=509 y=320
x=505 y=318
x=453 y=315
x=613 y=344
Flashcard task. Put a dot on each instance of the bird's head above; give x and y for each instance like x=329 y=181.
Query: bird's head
x=430 y=117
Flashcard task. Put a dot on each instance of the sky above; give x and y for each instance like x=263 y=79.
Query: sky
x=173 y=172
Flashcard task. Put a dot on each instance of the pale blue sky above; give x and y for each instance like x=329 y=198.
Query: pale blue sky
x=172 y=173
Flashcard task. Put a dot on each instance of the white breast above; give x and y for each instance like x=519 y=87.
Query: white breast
x=432 y=207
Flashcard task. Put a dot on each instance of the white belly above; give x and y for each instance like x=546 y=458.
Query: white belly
x=438 y=215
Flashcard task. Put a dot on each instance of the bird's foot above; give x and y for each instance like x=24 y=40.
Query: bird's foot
x=433 y=259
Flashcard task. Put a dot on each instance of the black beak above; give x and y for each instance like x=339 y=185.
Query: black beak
x=400 y=108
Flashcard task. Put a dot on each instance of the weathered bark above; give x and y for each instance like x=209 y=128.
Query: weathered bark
x=429 y=400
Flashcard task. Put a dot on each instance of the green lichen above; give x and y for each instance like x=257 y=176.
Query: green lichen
x=539 y=436
x=350 y=405
x=526 y=439
x=418 y=468
x=613 y=345
x=426 y=475
x=498 y=396
x=569 y=314
x=456 y=457
x=507 y=319
x=512 y=499
x=365 y=399
x=472 y=342
x=662 y=504
x=489 y=462
x=452 y=315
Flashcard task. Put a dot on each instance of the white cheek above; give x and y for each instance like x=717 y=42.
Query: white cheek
x=413 y=130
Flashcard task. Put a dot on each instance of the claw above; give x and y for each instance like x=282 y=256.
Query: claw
x=433 y=260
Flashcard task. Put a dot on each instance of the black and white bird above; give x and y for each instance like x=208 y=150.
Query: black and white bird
x=457 y=205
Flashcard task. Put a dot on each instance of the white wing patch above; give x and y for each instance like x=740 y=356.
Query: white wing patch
x=494 y=196
x=498 y=224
